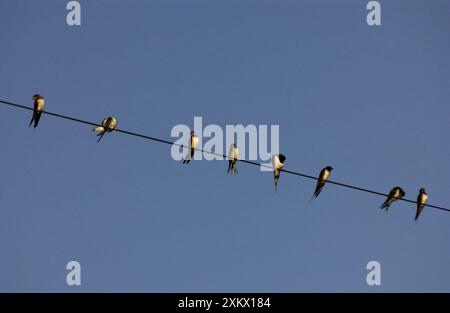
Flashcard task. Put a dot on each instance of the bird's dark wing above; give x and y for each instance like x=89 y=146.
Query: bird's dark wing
x=386 y=203
x=419 y=207
x=37 y=117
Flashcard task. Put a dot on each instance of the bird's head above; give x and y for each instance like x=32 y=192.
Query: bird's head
x=282 y=158
x=36 y=96
x=329 y=168
x=422 y=190
x=234 y=145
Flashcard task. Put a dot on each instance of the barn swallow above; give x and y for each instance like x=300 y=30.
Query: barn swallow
x=108 y=125
x=395 y=194
x=323 y=177
x=278 y=163
x=39 y=104
x=193 y=144
x=421 y=200
x=234 y=155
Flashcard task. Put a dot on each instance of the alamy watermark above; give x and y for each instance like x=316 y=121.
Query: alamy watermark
x=73 y=18
x=73 y=277
x=374 y=16
x=251 y=140
x=373 y=278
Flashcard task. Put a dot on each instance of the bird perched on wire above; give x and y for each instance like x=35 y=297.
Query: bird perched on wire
x=233 y=157
x=108 y=125
x=39 y=104
x=421 y=201
x=193 y=144
x=323 y=177
x=395 y=194
x=277 y=163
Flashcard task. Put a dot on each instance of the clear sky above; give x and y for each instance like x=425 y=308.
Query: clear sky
x=373 y=102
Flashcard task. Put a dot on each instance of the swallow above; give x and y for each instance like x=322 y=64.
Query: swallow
x=421 y=200
x=233 y=155
x=395 y=194
x=278 y=163
x=108 y=125
x=39 y=104
x=323 y=177
x=193 y=144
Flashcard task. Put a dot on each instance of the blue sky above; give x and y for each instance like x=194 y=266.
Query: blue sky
x=373 y=102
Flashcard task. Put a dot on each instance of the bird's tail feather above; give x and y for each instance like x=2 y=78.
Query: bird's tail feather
x=32 y=120
x=385 y=205
x=316 y=191
x=419 y=210
x=36 y=119
x=232 y=168
x=100 y=136
x=188 y=156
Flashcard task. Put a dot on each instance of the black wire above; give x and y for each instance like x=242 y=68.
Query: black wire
x=126 y=132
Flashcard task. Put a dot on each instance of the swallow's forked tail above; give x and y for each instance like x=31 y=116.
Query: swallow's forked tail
x=418 y=211
x=187 y=159
x=32 y=120
x=385 y=204
x=100 y=136
x=232 y=168
x=318 y=189
x=189 y=156
x=37 y=118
